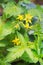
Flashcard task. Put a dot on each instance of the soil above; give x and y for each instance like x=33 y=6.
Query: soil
x=1 y=11
x=40 y=2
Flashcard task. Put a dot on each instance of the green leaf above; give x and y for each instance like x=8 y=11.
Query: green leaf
x=5 y=29
x=22 y=39
x=2 y=45
x=32 y=55
x=12 y=9
x=25 y=1
x=41 y=61
x=14 y=54
x=41 y=53
x=26 y=37
x=26 y=58
x=3 y=62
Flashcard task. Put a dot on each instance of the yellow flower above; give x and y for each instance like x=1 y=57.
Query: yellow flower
x=20 y=17
x=16 y=41
x=26 y=26
x=17 y=25
x=28 y=18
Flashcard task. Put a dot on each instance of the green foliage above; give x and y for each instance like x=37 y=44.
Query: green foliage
x=3 y=63
x=12 y=10
x=5 y=29
x=14 y=53
x=20 y=37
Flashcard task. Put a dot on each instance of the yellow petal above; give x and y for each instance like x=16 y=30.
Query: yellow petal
x=29 y=16
x=27 y=26
x=20 y=17
x=30 y=21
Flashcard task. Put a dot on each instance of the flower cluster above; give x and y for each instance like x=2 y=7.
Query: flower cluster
x=25 y=19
